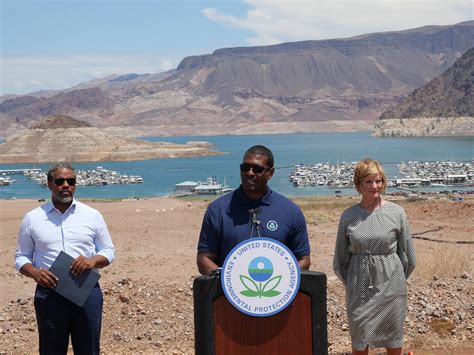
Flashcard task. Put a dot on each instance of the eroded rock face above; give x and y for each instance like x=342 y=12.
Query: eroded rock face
x=443 y=107
x=425 y=127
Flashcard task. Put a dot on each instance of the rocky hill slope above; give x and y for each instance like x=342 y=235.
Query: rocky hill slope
x=337 y=84
x=60 y=121
x=63 y=138
x=443 y=107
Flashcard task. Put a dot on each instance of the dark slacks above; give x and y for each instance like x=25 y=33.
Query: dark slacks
x=58 y=318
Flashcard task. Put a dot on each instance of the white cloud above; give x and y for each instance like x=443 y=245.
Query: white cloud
x=32 y=73
x=166 y=65
x=292 y=20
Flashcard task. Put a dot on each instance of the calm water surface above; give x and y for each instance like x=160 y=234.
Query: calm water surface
x=160 y=175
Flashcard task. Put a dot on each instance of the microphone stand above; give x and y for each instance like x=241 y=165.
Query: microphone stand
x=254 y=222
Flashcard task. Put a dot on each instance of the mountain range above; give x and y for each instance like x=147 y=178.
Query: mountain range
x=325 y=85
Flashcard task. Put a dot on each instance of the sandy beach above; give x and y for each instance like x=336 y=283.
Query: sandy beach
x=148 y=290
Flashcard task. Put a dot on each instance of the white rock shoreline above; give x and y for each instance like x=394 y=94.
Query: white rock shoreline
x=425 y=127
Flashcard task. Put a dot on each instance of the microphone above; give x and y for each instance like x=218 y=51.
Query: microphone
x=254 y=212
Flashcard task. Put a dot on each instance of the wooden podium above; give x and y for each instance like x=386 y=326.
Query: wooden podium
x=301 y=328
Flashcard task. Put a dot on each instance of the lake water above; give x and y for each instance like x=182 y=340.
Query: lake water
x=160 y=175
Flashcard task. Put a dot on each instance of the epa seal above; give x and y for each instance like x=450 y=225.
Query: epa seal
x=260 y=277
x=272 y=225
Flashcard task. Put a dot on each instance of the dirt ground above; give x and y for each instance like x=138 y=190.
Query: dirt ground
x=148 y=289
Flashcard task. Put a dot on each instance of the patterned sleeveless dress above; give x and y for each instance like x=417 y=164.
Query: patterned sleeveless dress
x=374 y=256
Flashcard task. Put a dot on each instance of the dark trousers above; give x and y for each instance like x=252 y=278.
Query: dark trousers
x=58 y=318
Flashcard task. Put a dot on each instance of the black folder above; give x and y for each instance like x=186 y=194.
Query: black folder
x=74 y=288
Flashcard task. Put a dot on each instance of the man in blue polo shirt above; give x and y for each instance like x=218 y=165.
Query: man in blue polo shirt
x=252 y=210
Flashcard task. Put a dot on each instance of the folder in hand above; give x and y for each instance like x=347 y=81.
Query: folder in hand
x=74 y=288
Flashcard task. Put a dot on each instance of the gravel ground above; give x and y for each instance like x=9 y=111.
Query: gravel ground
x=150 y=309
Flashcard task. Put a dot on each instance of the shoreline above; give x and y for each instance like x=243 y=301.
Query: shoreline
x=266 y=128
x=467 y=194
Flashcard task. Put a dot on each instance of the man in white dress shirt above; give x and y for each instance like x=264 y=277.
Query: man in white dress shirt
x=64 y=224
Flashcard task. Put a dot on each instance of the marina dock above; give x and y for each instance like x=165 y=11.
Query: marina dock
x=323 y=174
x=415 y=174
x=16 y=171
x=6 y=180
x=92 y=177
x=436 y=173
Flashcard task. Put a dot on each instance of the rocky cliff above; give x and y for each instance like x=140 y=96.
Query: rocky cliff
x=443 y=107
x=299 y=86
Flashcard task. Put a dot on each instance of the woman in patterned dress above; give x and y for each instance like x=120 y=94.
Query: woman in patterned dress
x=374 y=256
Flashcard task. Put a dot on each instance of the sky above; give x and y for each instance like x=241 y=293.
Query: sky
x=56 y=44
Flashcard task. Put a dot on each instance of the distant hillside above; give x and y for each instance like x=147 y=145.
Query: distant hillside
x=444 y=106
x=63 y=138
x=86 y=104
x=339 y=84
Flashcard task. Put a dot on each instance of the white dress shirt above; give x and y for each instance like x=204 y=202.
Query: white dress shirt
x=45 y=231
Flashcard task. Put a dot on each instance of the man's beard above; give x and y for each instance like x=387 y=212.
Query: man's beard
x=65 y=199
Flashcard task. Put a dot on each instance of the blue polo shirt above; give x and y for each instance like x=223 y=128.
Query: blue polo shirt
x=227 y=222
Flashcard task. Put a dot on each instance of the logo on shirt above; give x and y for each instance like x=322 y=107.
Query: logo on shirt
x=260 y=277
x=272 y=225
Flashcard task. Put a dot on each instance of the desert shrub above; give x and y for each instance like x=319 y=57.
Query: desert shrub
x=323 y=209
x=443 y=260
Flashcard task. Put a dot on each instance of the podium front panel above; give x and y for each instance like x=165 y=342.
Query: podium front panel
x=287 y=332
x=300 y=328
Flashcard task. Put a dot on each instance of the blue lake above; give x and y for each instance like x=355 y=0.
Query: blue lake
x=160 y=175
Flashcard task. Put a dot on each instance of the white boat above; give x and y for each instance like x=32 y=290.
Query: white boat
x=4 y=181
x=209 y=187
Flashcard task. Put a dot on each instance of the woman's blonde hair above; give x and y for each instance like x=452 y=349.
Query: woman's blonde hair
x=368 y=167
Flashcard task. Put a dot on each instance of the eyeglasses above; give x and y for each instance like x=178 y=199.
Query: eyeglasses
x=257 y=169
x=60 y=181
